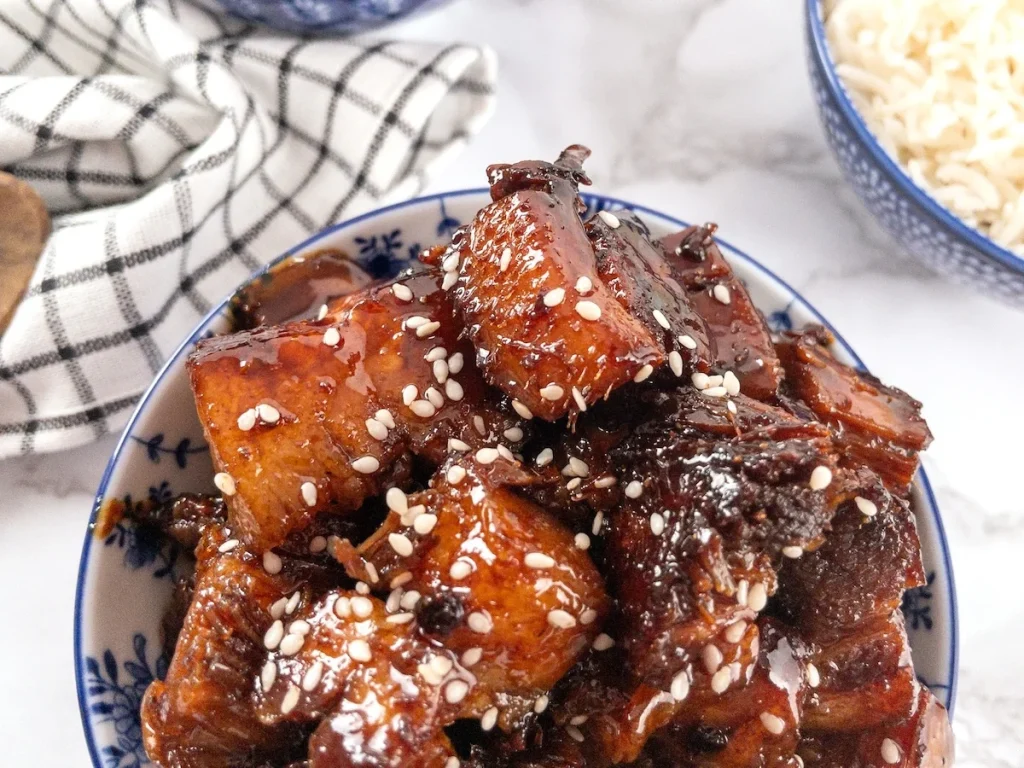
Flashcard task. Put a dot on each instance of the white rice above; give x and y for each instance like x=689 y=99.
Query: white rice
x=941 y=84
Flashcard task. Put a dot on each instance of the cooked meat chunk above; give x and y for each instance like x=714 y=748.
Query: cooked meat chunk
x=183 y=518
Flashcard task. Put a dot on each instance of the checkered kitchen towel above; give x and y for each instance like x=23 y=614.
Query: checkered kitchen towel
x=194 y=149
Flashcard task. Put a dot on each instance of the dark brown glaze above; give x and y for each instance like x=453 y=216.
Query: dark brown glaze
x=742 y=341
x=524 y=345
x=877 y=426
x=296 y=288
x=183 y=518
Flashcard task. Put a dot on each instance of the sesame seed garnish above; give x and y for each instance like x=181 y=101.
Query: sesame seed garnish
x=409 y=394
x=449 y=279
x=456 y=474
x=487 y=455
x=552 y=392
x=402 y=292
x=721 y=680
x=579 y=467
x=603 y=642
x=573 y=484
x=272 y=637
x=362 y=607
x=741 y=592
x=609 y=218
x=272 y=564
x=588 y=310
x=890 y=751
x=715 y=392
x=522 y=410
x=675 y=362
x=225 y=483
x=540 y=704
x=394 y=600
x=362 y=588
x=291 y=644
x=343 y=607
x=757 y=599
x=409 y=599
x=397 y=501
x=584 y=285
x=657 y=524
x=228 y=545
x=317 y=544
x=268 y=413
x=506 y=259
x=376 y=429
x=371 y=571
x=687 y=341
x=490 y=719
x=400 y=618
x=589 y=616
x=400 y=580
x=731 y=407
x=321 y=313
x=643 y=373
x=479 y=426
x=247 y=420
x=434 y=397
x=290 y=700
x=308 y=491
x=721 y=292
x=544 y=458
x=505 y=453
x=450 y=262
x=401 y=544
x=712 y=657
x=277 y=609
x=513 y=434
x=293 y=603
x=453 y=390
x=634 y=489
x=821 y=477
x=427 y=673
x=813 y=676
x=480 y=622
x=734 y=632
x=731 y=383
x=416 y=321
x=427 y=330
x=582 y=541
x=454 y=444
x=659 y=316
x=452 y=762
x=359 y=650
x=435 y=354
x=606 y=482
x=561 y=619
x=575 y=733
x=578 y=720
x=366 y=465
x=471 y=656
x=268 y=675
x=441 y=664
x=384 y=417
x=311 y=679
x=595 y=527
x=772 y=723
x=792 y=552
x=460 y=569
x=554 y=297
x=538 y=560
x=422 y=408
x=867 y=507
x=299 y=627
x=700 y=380
x=680 y=687
x=332 y=337
x=455 y=691
x=455 y=363
x=440 y=370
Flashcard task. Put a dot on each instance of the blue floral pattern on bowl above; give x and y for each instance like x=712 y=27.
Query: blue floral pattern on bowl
x=126 y=577
x=913 y=218
x=324 y=16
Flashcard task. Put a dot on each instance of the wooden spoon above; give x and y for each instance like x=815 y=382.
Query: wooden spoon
x=24 y=227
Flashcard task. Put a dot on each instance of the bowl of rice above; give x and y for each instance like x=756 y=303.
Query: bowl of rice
x=922 y=102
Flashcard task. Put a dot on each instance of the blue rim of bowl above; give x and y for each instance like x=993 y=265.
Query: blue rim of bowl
x=606 y=202
x=963 y=230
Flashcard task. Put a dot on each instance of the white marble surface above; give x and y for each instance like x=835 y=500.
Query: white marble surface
x=700 y=108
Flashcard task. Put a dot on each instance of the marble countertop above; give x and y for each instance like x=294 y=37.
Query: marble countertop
x=706 y=114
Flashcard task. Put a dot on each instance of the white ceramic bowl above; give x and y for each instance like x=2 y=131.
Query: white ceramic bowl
x=124 y=579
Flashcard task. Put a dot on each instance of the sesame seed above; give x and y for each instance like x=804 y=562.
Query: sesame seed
x=272 y=563
x=643 y=373
x=456 y=474
x=471 y=656
x=332 y=337
x=561 y=619
x=423 y=408
x=487 y=455
x=657 y=524
x=401 y=544
x=440 y=370
x=813 y=676
x=228 y=545
x=435 y=354
x=400 y=618
x=589 y=616
x=480 y=622
x=700 y=380
x=606 y=482
x=450 y=262
x=573 y=484
x=455 y=363
x=362 y=607
x=582 y=541
x=867 y=508
x=322 y=312
x=575 y=733
x=731 y=383
x=311 y=679
x=400 y=580
x=506 y=259
x=268 y=413
x=460 y=569
x=659 y=316
x=603 y=642
x=454 y=444
x=554 y=297
x=397 y=501
x=449 y=279
x=595 y=527
x=544 y=458
x=247 y=420
x=384 y=417
x=317 y=544
x=409 y=599
x=734 y=632
x=758 y=597
x=540 y=704
x=455 y=691
x=890 y=751
x=366 y=465
x=687 y=341
x=299 y=627
x=579 y=467
x=377 y=430
x=343 y=607
x=308 y=491
x=821 y=477
x=588 y=310
x=538 y=560
x=792 y=552
x=721 y=680
x=584 y=285
x=731 y=407
x=371 y=571
x=675 y=362
x=225 y=483
x=359 y=650
x=427 y=673
x=609 y=218
x=416 y=321
x=454 y=390
x=721 y=292
x=290 y=700
x=272 y=637
x=479 y=426
x=634 y=489
x=578 y=720
x=680 y=687
x=741 y=592
x=522 y=410
x=362 y=588
x=277 y=609
x=490 y=719
x=772 y=723
x=427 y=330
x=402 y=292
x=409 y=394
x=268 y=675
x=712 y=657
x=452 y=762
x=513 y=434
x=552 y=392
x=434 y=397
x=291 y=644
